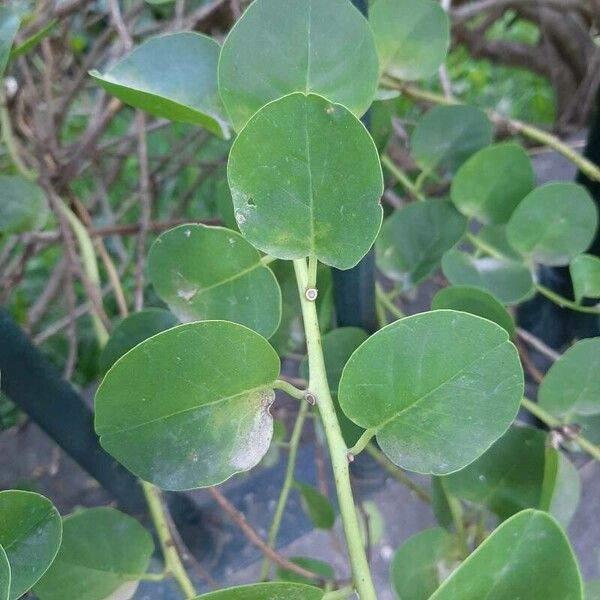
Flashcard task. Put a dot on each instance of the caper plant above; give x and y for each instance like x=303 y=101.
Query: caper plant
x=186 y=403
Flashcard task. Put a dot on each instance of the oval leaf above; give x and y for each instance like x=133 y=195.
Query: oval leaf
x=132 y=330
x=23 y=205
x=585 y=274
x=277 y=48
x=446 y=136
x=4 y=575
x=9 y=25
x=412 y=37
x=413 y=240
x=442 y=387
x=528 y=556
x=421 y=562
x=306 y=180
x=506 y=279
x=103 y=551
x=572 y=385
x=266 y=591
x=190 y=406
x=492 y=183
x=316 y=506
x=172 y=76
x=554 y=223
x=325 y=570
x=476 y=302
x=508 y=477
x=214 y=273
x=30 y=534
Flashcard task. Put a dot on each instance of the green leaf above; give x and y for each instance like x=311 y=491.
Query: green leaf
x=338 y=345
x=189 y=407
x=561 y=491
x=446 y=136
x=508 y=477
x=266 y=591
x=132 y=330
x=442 y=387
x=475 y=301
x=413 y=240
x=554 y=223
x=104 y=552
x=214 y=273
x=9 y=25
x=4 y=575
x=32 y=41
x=325 y=570
x=23 y=205
x=585 y=273
x=506 y=279
x=421 y=562
x=592 y=590
x=30 y=534
x=528 y=556
x=412 y=37
x=495 y=237
x=316 y=506
x=492 y=183
x=572 y=385
x=306 y=180
x=172 y=76
x=439 y=502
x=371 y=522
x=277 y=48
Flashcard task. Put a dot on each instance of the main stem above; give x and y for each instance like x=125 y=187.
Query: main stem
x=173 y=562
x=319 y=386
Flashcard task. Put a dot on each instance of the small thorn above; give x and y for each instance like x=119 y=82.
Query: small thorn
x=310 y=398
x=311 y=294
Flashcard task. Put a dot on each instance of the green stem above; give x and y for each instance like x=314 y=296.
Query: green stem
x=173 y=562
x=550 y=420
x=387 y=303
x=456 y=512
x=319 y=386
x=340 y=594
x=287 y=485
x=389 y=164
x=397 y=473
x=267 y=259
x=362 y=442
x=289 y=389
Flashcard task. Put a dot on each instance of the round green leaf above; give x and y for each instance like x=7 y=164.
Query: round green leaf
x=338 y=345
x=189 y=407
x=23 y=205
x=554 y=223
x=475 y=301
x=490 y=185
x=4 y=575
x=172 y=76
x=277 y=48
x=132 y=330
x=442 y=386
x=9 y=25
x=325 y=570
x=421 y=562
x=446 y=136
x=413 y=240
x=266 y=591
x=528 y=556
x=506 y=279
x=572 y=385
x=104 y=552
x=306 y=180
x=316 y=506
x=494 y=236
x=508 y=477
x=214 y=273
x=412 y=37
x=585 y=274
x=561 y=491
x=30 y=534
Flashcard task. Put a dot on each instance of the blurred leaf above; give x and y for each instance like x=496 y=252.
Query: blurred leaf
x=592 y=590
x=31 y=42
x=4 y=575
x=439 y=502
x=324 y=569
x=9 y=25
x=370 y=520
x=316 y=506
x=585 y=273
x=266 y=591
x=23 y=205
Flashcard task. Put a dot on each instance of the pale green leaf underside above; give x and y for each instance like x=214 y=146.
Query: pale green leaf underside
x=528 y=556
x=585 y=273
x=172 y=76
x=305 y=180
x=277 y=48
x=103 y=551
x=207 y=273
x=412 y=37
x=441 y=387
x=23 y=205
x=562 y=487
x=189 y=407
x=9 y=25
x=30 y=534
x=4 y=575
